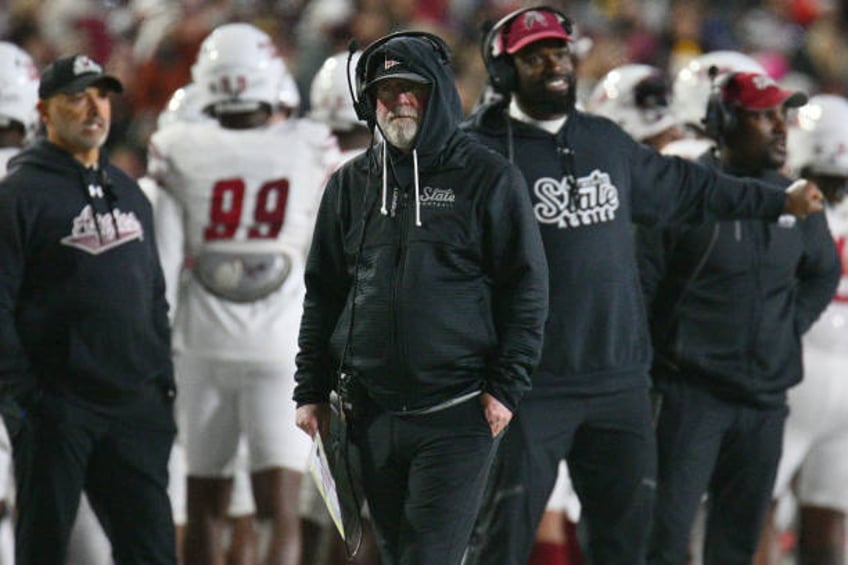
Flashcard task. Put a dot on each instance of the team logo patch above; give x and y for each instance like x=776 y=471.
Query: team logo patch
x=390 y=63
x=84 y=232
x=437 y=197
x=83 y=65
x=532 y=18
x=596 y=201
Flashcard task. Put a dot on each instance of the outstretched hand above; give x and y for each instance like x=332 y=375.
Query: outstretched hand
x=803 y=197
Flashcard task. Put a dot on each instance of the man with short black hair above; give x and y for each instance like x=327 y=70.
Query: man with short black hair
x=728 y=303
x=87 y=380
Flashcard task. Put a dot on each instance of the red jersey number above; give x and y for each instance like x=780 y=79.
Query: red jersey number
x=226 y=207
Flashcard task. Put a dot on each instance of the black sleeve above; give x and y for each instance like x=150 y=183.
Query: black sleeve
x=818 y=273
x=327 y=287
x=651 y=253
x=519 y=271
x=671 y=190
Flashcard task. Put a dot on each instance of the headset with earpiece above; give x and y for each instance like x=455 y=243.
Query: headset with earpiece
x=498 y=64
x=719 y=117
x=362 y=103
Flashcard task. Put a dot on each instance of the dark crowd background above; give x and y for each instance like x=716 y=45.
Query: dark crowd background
x=151 y=44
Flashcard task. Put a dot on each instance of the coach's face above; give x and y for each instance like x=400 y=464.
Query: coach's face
x=546 y=82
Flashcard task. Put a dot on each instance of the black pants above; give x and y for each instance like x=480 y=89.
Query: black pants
x=121 y=461
x=726 y=449
x=423 y=478
x=608 y=442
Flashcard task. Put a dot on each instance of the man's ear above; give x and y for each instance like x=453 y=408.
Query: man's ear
x=42 y=110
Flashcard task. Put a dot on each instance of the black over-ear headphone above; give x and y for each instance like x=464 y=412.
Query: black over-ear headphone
x=362 y=103
x=719 y=118
x=498 y=63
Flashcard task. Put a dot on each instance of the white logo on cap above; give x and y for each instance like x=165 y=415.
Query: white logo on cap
x=762 y=82
x=84 y=64
x=533 y=18
x=390 y=63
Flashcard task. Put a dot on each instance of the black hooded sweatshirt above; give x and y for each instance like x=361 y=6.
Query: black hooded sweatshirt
x=451 y=306
x=82 y=304
x=596 y=338
x=729 y=301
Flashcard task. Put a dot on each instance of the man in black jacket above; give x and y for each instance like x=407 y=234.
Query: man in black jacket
x=728 y=304
x=588 y=181
x=85 y=367
x=427 y=286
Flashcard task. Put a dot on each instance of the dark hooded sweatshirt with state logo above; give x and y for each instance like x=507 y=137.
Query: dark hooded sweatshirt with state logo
x=596 y=338
x=424 y=313
x=82 y=305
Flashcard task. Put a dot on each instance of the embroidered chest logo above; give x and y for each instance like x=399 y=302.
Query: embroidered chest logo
x=437 y=197
x=85 y=235
x=596 y=201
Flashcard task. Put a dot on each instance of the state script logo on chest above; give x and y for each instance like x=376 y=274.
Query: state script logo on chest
x=595 y=200
x=102 y=236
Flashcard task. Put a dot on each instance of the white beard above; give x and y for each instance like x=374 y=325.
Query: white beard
x=399 y=133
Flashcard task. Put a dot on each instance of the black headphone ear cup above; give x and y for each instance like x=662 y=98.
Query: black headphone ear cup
x=719 y=118
x=502 y=75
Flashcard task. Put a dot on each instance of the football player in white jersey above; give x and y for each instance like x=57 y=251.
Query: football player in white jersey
x=637 y=97
x=18 y=121
x=815 y=440
x=239 y=200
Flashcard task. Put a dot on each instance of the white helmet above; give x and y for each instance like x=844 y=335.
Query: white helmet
x=693 y=84
x=238 y=68
x=18 y=86
x=817 y=138
x=184 y=106
x=636 y=98
x=329 y=94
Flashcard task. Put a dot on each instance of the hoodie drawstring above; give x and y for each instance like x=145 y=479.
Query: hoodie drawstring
x=383 y=209
x=417 y=200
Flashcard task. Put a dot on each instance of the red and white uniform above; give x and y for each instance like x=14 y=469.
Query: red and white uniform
x=233 y=225
x=815 y=441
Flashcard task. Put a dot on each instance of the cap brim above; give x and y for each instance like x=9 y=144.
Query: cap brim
x=796 y=100
x=534 y=37
x=79 y=84
x=411 y=77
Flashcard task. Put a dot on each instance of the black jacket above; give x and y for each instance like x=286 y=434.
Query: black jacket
x=729 y=301
x=82 y=304
x=596 y=338
x=453 y=305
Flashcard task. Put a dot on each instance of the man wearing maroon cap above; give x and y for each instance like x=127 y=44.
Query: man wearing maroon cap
x=728 y=303
x=588 y=182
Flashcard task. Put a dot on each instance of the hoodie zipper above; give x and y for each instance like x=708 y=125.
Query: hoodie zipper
x=400 y=264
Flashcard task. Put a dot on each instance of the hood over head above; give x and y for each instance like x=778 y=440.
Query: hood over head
x=420 y=57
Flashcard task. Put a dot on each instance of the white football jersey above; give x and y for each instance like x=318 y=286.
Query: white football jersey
x=236 y=212
x=831 y=330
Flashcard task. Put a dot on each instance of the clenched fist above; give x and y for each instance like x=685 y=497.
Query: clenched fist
x=803 y=197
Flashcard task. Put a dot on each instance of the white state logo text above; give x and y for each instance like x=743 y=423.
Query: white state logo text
x=596 y=201
x=85 y=235
x=437 y=197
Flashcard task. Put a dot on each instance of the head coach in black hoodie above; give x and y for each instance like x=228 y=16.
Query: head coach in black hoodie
x=85 y=364
x=588 y=182
x=426 y=285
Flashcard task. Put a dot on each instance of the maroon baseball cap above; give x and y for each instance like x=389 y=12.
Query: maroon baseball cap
x=755 y=91
x=531 y=26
